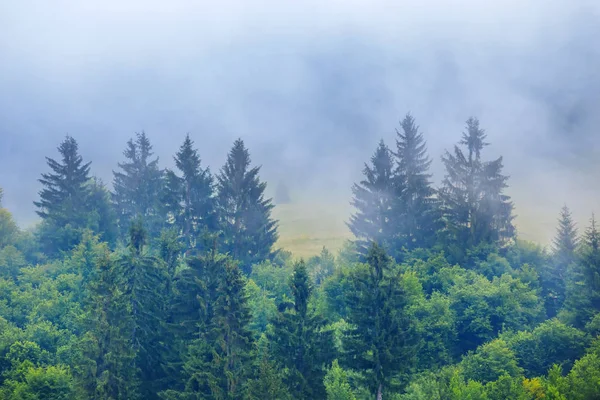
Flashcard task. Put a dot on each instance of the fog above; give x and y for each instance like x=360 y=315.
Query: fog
x=311 y=86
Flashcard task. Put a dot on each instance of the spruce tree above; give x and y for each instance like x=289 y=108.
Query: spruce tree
x=268 y=383
x=300 y=344
x=63 y=203
x=590 y=261
x=416 y=203
x=556 y=274
x=218 y=360
x=582 y=292
x=107 y=354
x=382 y=342
x=476 y=210
x=138 y=187
x=141 y=281
x=373 y=199
x=102 y=214
x=189 y=195
x=249 y=232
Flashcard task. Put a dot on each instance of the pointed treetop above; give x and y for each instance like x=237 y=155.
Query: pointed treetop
x=137 y=235
x=411 y=148
x=592 y=236
x=566 y=238
x=301 y=287
x=187 y=158
x=474 y=138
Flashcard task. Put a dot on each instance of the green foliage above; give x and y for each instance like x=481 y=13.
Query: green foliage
x=8 y=229
x=373 y=199
x=64 y=199
x=301 y=345
x=336 y=384
x=188 y=197
x=490 y=362
x=41 y=383
x=417 y=227
x=476 y=209
x=244 y=213
x=483 y=308
x=137 y=187
x=549 y=343
x=435 y=326
x=378 y=309
x=268 y=384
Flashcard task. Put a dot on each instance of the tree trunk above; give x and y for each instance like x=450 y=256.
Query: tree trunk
x=380 y=392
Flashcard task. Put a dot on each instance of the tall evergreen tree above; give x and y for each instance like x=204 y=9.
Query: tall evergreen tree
x=300 y=344
x=381 y=344
x=374 y=199
x=104 y=368
x=63 y=202
x=245 y=215
x=591 y=265
x=555 y=276
x=102 y=214
x=137 y=187
x=141 y=280
x=416 y=205
x=268 y=383
x=582 y=292
x=218 y=361
x=189 y=195
x=477 y=212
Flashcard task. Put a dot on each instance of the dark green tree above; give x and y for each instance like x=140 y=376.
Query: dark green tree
x=300 y=344
x=106 y=353
x=382 y=344
x=476 y=210
x=218 y=362
x=141 y=279
x=189 y=195
x=416 y=204
x=268 y=383
x=102 y=215
x=137 y=187
x=554 y=277
x=64 y=199
x=374 y=199
x=582 y=292
x=590 y=262
x=249 y=232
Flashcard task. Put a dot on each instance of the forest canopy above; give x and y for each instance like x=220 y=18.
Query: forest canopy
x=167 y=284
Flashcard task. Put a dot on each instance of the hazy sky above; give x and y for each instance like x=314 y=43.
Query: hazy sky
x=311 y=86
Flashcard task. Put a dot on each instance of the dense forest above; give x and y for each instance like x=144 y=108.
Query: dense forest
x=168 y=285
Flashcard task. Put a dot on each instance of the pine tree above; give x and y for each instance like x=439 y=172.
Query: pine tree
x=591 y=264
x=556 y=274
x=189 y=196
x=268 y=383
x=245 y=215
x=582 y=294
x=102 y=214
x=416 y=203
x=382 y=342
x=300 y=344
x=218 y=361
x=137 y=187
x=141 y=280
x=374 y=199
x=475 y=209
x=63 y=203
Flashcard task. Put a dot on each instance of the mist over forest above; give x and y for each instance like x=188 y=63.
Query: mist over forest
x=313 y=200
x=310 y=87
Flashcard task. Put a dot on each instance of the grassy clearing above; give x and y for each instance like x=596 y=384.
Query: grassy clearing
x=305 y=228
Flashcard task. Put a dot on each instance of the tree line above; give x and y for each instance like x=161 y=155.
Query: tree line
x=169 y=286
